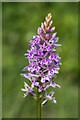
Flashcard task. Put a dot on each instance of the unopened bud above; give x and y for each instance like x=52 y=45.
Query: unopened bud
x=50 y=23
x=45 y=24
x=52 y=29
x=49 y=14
x=47 y=20
x=50 y=18
x=42 y=25
x=54 y=35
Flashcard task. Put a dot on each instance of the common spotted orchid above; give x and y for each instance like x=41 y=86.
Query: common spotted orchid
x=43 y=63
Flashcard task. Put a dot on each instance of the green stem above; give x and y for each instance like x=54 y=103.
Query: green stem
x=38 y=107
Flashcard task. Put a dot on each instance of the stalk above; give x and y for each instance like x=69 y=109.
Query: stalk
x=38 y=107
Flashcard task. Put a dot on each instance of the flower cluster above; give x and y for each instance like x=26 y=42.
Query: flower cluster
x=43 y=61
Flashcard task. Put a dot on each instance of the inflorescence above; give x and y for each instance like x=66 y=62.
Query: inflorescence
x=43 y=62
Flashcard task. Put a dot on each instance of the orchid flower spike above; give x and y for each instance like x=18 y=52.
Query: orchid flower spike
x=43 y=62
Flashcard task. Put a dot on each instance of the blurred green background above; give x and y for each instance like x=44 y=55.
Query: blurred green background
x=20 y=22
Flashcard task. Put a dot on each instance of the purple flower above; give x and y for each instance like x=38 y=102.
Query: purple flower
x=54 y=84
x=39 y=53
x=27 y=89
x=47 y=36
x=44 y=87
x=35 y=40
x=43 y=61
x=44 y=77
x=32 y=78
x=53 y=70
x=49 y=97
x=42 y=47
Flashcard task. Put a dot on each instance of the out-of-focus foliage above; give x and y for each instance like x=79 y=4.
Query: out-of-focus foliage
x=20 y=23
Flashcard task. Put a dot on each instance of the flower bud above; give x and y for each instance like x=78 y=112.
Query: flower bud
x=54 y=35
x=39 y=31
x=52 y=29
x=49 y=14
x=50 y=23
